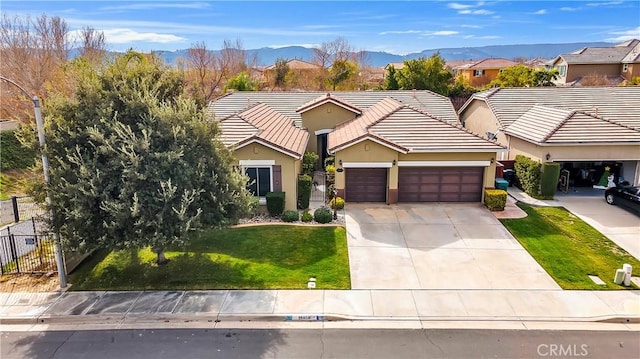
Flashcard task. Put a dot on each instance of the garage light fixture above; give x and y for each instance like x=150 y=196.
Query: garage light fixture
x=393 y=163
x=548 y=157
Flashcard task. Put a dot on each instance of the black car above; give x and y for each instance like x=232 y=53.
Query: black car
x=627 y=196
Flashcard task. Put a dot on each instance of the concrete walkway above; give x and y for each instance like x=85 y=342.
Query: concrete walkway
x=621 y=306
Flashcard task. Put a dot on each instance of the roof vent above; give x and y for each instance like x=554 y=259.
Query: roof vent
x=248 y=102
x=596 y=110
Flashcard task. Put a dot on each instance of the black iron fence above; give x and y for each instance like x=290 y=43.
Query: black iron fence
x=19 y=209
x=26 y=247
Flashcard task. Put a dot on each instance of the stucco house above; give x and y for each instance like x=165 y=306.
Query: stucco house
x=389 y=146
x=582 y=128
x=481 y=73
x=617 y=63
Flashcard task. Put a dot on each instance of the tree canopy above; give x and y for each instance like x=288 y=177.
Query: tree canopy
x=134 y=164
x=423 y=74
x=524 y=76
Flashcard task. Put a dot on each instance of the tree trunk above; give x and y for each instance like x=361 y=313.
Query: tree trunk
x=162 y=260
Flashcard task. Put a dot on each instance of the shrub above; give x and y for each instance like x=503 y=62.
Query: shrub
x=331 y=169
x=528 y=172
x=309 y=162
x=14 y=154
x=336 y=203
x=275 y=203
x=306 y=217
x=290 y=216
x=330 y=161
x=304 y=191
x=549 y=179
x=254 y=204
x=323 y=215
x=495 y=199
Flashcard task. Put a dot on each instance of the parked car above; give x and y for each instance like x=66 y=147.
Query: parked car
x=627 y=196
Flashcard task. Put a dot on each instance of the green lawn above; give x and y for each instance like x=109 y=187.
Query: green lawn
x=568 y=248
x=258 y=257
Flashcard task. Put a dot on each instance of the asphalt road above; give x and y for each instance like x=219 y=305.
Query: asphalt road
x=328 y=343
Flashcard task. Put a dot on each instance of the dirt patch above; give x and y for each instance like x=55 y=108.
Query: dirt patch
x=28 y=283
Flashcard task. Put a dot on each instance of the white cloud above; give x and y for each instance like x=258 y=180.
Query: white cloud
x=567 y=8
x=401 y=32
x=443 y=33
x=156 y=5
x=471 y=26
x=124 y=36
x=608 y=3
x=457 y=6
x=476 y=12
x=624 y=35
x=540 y=12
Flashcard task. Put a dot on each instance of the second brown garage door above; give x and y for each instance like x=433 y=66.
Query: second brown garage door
x=440 y=184
x=366 y=185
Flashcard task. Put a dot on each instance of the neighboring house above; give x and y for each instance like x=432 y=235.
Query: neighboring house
x=300 y=72
x=582 y=128
x=537 y=63
x=390 y=146
x=481 y=73
x=614 y=64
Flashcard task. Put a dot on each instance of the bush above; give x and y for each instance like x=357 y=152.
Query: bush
x=336 y=203
x=549 y=179
x=331 y=169
x=306 y=217
x=495 y=199
x=309 y=162
x=528 y=172
x=275 y=203
x=323 y=215
x=254 y=204
x=330 y=161
x=14 y=154
x=290 y=216
x=304 y=191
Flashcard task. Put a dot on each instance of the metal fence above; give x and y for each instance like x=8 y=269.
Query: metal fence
x=26 y=248
x=19 y=209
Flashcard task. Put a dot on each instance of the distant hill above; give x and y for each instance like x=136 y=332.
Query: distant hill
x=267 y=56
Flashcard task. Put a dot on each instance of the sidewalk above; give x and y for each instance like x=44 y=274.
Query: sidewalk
x=622 y=306
x=520 y=196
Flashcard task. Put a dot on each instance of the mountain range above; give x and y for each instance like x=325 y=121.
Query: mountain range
x=268 y=56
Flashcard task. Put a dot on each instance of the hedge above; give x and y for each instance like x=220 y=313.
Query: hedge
x=495 y=199
x=549 y=179
x=14 y=154
x=528 y=172
x=275 y=203
x=290 y=216
x=309 y=161
x=323 y=215
x=304 y=191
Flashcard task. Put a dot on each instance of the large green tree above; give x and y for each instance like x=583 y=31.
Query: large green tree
x=134 y=164
x=281 y=71
x=425 y=74
x=524 y=76
x=340 y=71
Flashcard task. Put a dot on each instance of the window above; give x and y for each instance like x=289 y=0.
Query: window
x=562 y=70
x=478 y=73
x=259 y=180
x=625 y=67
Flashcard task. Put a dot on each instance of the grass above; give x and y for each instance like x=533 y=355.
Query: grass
x=257 y=257
x=568 y=248
x=13 y=183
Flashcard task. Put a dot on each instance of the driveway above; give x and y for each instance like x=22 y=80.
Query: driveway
x=618 y=224
x=436 y=246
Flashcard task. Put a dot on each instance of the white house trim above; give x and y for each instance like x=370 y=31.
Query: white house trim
x=367 y=164
x=444 y=163
x=252 y=163
x=267 y=145
x=370 y=138
x=323 y=131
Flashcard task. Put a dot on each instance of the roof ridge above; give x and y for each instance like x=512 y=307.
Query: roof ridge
x=560 y=124
x=601 y=118
x=401 y=105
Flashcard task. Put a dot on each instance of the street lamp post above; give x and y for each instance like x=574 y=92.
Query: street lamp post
x=62 y=275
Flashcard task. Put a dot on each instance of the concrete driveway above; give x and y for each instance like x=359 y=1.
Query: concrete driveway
x=436 y=246
x=618 y=224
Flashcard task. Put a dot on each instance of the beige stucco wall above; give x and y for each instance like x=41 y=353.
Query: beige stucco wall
x=479 y=119
x=290 y=168
x=632 y=71
x=326 y=116
x=574 y=71
x=478 y=81
x=573 y=153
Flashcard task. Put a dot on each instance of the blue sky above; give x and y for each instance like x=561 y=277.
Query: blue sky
x=398 y=27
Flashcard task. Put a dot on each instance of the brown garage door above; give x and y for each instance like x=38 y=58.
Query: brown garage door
x=366 y=185
x=440 y=184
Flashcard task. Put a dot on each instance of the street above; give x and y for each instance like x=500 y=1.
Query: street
x=311 y=343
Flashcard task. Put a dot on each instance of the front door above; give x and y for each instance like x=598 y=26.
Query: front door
x=322 y=151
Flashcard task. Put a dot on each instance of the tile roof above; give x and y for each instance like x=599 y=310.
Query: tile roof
x=553 y=125
x=626 y=52
x=408 y=130
x=296 y=64
x=618 y=104
x=325 y=99
x=263 y=124
x=487 y=64
x=288 y=102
